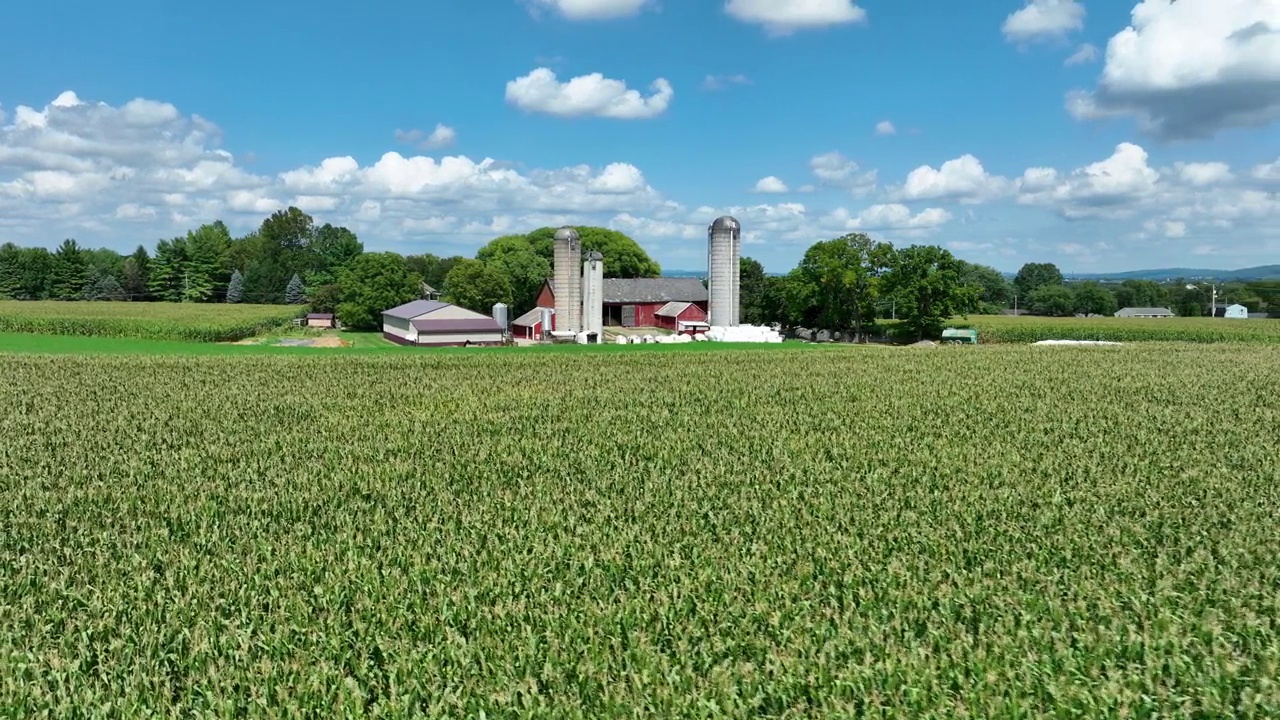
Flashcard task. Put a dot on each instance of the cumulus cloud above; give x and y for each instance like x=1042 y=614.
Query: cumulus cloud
x=1190 y=68
x=442 y=136
x=1086 y=53
x=1201 y=174
x=836 y=170
x=884 y=127
x=784 y=17
x=591 y=9
x=962 y=179
x=894 y=216
x=618 y=179
x=1044 y=19
x=587 y=95
x=770 y=184
x=1105 y=187
x=1267 y=172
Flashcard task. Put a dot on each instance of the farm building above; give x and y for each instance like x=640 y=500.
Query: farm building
x=435 y=323
x=1231 y=311
x=319 y=320
x=682 y=317
x=529 y=326
x=1134 y=312
x=635 y=302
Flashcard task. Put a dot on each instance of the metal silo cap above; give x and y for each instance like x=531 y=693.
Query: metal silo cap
x=725 y=223
x=566 y=233
x=595 y=256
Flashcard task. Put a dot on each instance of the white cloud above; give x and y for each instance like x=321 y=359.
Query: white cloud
x=593 y=95
x=783 y=17
x=839 y=171
x=963 y=179
x=592 y=9
x=1268 y=172
x=442 y=136
x=1109 y=188
x=1167 y=228
x=884 y=127
x=1042 y=19
x=893 y=216
x=618 y=178
x=720 y=82
x=770 y=184
x=1086 y=53
x=1201 y=174
x=1190 y=68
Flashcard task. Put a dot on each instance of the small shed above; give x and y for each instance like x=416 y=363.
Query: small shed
x=529 y=325
x=682 y=317
x=1237 y=311
x=1144 y=312
x=319 y=320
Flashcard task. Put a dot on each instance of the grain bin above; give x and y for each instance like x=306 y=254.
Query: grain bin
x=723 y=248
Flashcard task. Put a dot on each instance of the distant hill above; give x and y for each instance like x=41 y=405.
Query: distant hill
x=683 y=273
x=1261 y=272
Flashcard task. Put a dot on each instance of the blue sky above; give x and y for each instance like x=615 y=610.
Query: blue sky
x=1101 y=136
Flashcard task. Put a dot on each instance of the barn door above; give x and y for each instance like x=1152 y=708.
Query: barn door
x=628 y=316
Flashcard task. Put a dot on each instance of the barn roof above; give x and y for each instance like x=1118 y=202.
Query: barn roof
x=653 y=290
x=319 y=316
x=411 y=310
x=672 y=309
x=454 y=325
x=1131 y=311
x=529 y=319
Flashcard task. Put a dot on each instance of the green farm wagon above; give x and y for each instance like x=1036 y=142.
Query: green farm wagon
x=958 y=336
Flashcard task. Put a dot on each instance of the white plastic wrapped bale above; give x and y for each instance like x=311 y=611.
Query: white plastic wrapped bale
x=621 y=340
x=682 y=339
x=744 y=334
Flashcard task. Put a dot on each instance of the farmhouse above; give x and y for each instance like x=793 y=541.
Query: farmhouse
x=439 y=324
x=1231 y=311
x=1137 y=312
x=319 y=320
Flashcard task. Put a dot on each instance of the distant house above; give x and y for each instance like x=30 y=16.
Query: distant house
x=435 y=323
x=1237 y=311
x=319 y=320
x=1140 y=312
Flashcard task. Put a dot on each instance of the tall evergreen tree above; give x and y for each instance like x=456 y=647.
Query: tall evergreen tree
x=166 y=279
x=294 y=293
x=10 y=271
x=70 y=268
x=135 y=279
x=235 y=289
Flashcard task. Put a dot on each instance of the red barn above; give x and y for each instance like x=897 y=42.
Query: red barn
x=684 y=318
x=529 y=325
x=635 y=302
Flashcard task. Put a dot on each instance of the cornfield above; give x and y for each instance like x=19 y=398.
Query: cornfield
x=1000 y=328
x=989 y=532
x=155 y=321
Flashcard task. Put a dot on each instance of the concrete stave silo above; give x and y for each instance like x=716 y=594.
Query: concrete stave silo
x=723 y=250
x=567 y=256
x=593 y=295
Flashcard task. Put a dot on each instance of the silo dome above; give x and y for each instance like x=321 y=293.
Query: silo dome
x=595 y=256
x=725 y=223
x=566 y=233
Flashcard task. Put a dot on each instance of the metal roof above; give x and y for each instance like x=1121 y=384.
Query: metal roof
x=1131 y=311
x=411 y=310
x=725 y=222
x=452 y=325
x=531 y=318
x=653 y=290
x=595 y=255
x=673 y=309
x=566 y=233
x=319 y=316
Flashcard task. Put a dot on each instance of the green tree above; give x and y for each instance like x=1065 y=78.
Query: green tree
x=1091 y=298
x=477 y=286
x=325 y=298
x=1052 y=300
x=207 y=248
x=101 y=285
x=837 y=283
x=134 y=279
x=70 y=269
x=35 y=268
x=166 y=281
x=10 y=272
x=996 y=291
x=1033 y=276
x=927 y=283
x=370 y=284
x=332 y=248
x=514 y=257
x=1141 y=293
x=295 y=293
x=753 y=293
x=235 y=288
x=623 y=257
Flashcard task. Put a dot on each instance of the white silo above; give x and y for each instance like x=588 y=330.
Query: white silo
x=723 y=248
x=593 y=295
x=500 y=316
x=568 y=280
